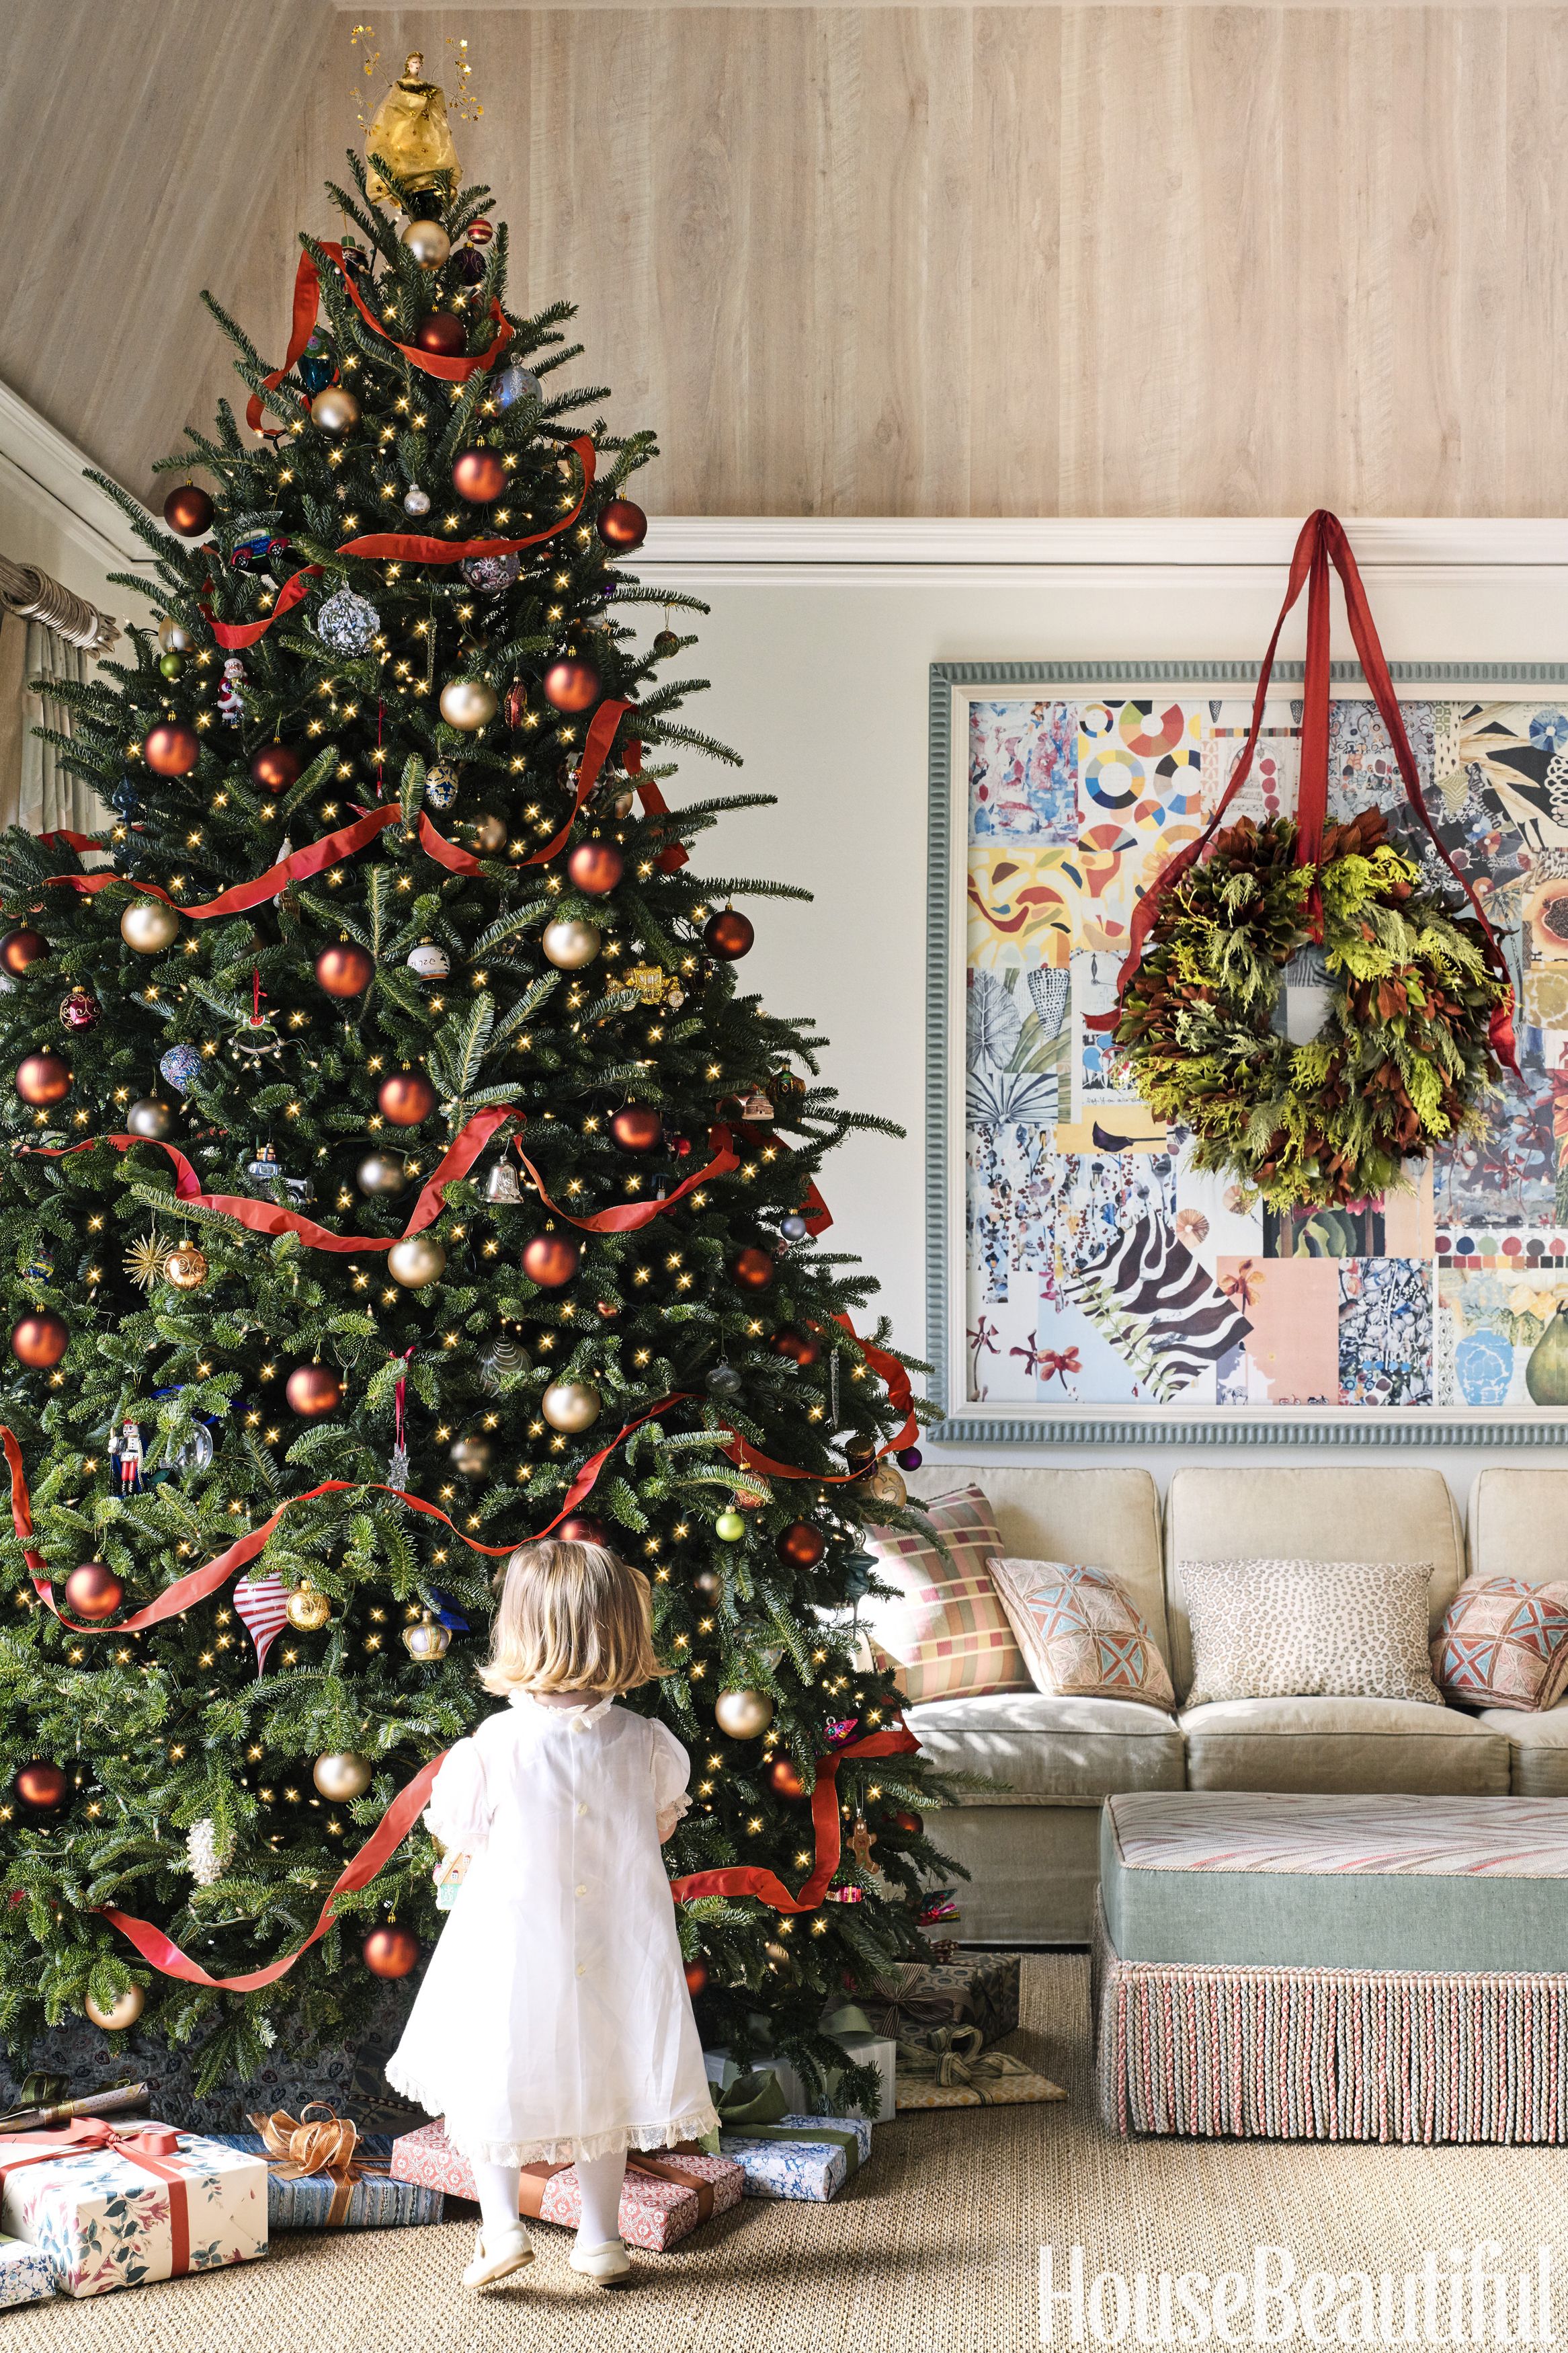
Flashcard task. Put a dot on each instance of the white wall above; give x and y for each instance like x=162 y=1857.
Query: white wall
x=819 y=672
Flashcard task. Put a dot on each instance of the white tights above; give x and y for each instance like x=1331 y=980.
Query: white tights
x=599 y=2176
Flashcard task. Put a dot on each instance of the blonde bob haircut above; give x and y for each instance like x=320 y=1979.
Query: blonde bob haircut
x=573 y=1617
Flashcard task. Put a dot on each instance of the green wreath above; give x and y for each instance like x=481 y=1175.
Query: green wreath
x=1403 y=1061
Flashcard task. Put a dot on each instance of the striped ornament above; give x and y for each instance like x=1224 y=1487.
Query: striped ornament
x=264 y=1605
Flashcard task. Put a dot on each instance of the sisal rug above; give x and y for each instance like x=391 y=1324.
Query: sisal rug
x=936 y=2248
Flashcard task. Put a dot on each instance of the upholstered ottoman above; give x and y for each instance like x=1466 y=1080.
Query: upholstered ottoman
x=1333 y=1968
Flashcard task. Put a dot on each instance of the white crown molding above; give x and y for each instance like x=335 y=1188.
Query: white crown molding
x=47 y=471
x=877 y=549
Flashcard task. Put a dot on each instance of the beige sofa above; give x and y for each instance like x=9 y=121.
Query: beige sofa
x=1030 y=1838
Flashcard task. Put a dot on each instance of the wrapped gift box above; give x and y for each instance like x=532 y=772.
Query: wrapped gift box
x=316 y=2202
x=800 y=2157
x=865 y=2050
x=27 y=2274
x=668 y=2191
x=911 y=1997
x=116 y=2216
x=949 y=2069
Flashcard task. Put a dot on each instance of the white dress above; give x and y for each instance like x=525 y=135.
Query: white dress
x=554 y=2020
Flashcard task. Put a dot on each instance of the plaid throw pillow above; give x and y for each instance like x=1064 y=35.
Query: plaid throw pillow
x=1503 y=1644
x=1080 y=1634
x=947 y=1634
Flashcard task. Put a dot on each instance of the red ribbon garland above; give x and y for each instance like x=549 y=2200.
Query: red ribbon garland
x=1322 y=541
x=455 y=368
x=755 y=1879
x=149 y=2149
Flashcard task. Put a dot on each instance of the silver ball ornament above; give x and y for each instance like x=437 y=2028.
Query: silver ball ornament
x=334 y=409
x=174 y=638
x=467 y=703
x=428 y=242
x=149 y=926
x=416 y=501
x=428 y=962
x=342 y=1773
x=415 y=1260
x=381 y=1174
x=471 y=1457
x=571 y=1406
x=570 y=943
x=151 y=1117
x=745 y=1714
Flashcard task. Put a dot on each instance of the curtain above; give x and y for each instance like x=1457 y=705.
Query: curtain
x=50 y=797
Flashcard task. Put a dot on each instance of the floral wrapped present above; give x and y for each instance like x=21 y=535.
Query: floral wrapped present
x=949 y=2069
x=111 y=2206
x=323 y=2174
x=668 y=2191
x=27 y=2274
x=784 y=2154
x=911 y=2000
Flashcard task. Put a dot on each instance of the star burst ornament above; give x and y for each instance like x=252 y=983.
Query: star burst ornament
x=146 y=1259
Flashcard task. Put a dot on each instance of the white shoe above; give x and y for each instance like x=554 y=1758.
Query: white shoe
x=606 y=2265
x=510 y=2253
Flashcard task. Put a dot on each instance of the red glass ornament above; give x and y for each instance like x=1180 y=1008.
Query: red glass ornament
x=799 y=1345
x=344 y=970
x=390 y=1952
x=596 y=867
x=171 y=748
x=43 y=1079
x=786 y=1779
x=188 y=511
x=20 y=948
x=623 y=524
x=753 y=1271
x=275 y=768
x=696 y=1975
x=638 y=1127
x=93 y=1591
x=911 y=1824
x=40 y=1340
x=42 y=1787
x=406 y=1098
x=801 y=1545
x=479 y=476
x=441 y=331
x=572 y=684
x=80 y=1011
x=581 y=1527
x=728 y=934
x=313 y=1390
x=550 y=1260
x=514 y=704
x=480 y=231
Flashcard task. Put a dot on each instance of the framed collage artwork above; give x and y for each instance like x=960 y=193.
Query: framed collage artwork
x=1086 y=1280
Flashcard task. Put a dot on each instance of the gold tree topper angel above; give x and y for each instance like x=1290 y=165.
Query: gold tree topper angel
x=408 y=133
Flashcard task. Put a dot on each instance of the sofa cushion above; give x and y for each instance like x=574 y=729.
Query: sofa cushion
x=1351 y=1745
x=1327 y=1629
x=1048 y=1750
x=1519 y=1524
x=1370 y=1512
x=1080 y=1634
x=947 y=1631
x=1503 y=1645
x=1537 y=1749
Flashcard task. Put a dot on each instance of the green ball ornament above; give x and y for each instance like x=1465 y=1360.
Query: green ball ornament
x=730 y=1527
x=170 y=665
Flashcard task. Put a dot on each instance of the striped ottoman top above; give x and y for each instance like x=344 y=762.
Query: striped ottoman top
x=1401 y=1883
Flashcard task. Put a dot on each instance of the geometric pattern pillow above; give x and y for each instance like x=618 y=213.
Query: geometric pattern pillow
x=1080 y=1636
x=946 y=1634
x=1309 y=1630
x=1503 y=1644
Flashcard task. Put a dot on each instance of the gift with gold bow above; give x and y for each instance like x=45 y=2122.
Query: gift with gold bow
x=949 y=2068
x=324 y=2174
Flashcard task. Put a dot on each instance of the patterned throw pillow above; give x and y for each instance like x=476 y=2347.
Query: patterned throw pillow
x=1080 y=1634
x=947 y=1634
x=1504 y=1643
x=1309 y=1630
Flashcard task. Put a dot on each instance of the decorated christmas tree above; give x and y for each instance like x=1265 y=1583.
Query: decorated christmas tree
x=398 y=1170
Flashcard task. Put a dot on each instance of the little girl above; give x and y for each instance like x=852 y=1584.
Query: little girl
x=553 y=2022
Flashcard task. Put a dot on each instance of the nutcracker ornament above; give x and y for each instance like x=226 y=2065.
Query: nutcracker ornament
x=125 y=1459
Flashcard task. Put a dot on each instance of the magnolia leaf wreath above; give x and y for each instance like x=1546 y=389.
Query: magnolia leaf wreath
x=1403 y=1061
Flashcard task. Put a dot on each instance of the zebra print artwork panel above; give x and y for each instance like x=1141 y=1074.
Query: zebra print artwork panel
x=1159 y=1309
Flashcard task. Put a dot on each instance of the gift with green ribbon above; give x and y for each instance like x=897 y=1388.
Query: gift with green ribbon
x=949 y=2068
x=785 y=2155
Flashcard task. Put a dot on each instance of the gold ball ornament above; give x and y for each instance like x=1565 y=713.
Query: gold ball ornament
x=467 y=703
x=571 y=1406
x=123 y=2012
x=489 y=834
x=428 y=1639
x=308 y=1610
x=415 y=1260
x=745 y=1714
x=382 y=1173
x=428 y=242
x=883 y=1485
x=149 y=926
x=334 y=409
x=342 y=1773
x=185 y=1267
x=471 y=1456
x=570 y=944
